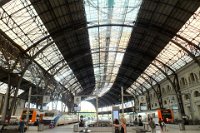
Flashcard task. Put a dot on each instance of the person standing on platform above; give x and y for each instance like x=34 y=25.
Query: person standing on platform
x=123 y=125
x=152 y=125
x=21 y=125
x=135 y=121
x=116 y=125
x=140 y=121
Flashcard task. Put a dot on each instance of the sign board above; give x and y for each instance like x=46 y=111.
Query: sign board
x=142 y=99
x=77 y=100
x=115 y=112
x=143 y=106
x=77 y=108
x=46 y=99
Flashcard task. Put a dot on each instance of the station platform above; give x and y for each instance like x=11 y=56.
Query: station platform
x=69 y=129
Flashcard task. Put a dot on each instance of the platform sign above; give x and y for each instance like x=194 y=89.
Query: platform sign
x=46 y=99
x=77 y=100
x=115 y=112
x=143 y=106
x=77 y=108
x=142 y=99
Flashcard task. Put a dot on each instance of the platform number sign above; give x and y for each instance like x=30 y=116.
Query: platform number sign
x=77 y=100
x=142 y=99
x=46 y=99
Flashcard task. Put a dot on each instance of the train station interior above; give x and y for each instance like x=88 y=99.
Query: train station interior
x=82 y=65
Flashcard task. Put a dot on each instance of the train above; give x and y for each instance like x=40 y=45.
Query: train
x=34 y=115
x=56 y=118
x=52 y=118
x=165 y=115
x=67 y=119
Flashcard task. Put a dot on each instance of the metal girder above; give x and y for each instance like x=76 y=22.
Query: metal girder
x=176 y=87
x=138 y=88
x=158 y=92
x=188 y=52
x=178 y=93
x=112 y=25
x=114 y=51
x=120 y=85
x=109 y=25
x=147 y=91
x=21 y=77
x=53 y=66
x=60 y=68
x=152 y=28
x=23 y=71
x=112 y=92
x=162 y=63
x=129 y=77
x=116 y=75
x=188 y=42
x=68 y=54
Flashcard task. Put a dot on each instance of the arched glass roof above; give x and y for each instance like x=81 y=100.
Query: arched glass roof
x=21 y=23
x=174 y=56
x=108 y=44
x=95 y=47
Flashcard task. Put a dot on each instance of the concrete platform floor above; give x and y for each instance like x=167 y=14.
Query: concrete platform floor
x=69 y=129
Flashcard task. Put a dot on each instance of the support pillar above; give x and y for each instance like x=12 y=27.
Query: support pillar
x=6 y=102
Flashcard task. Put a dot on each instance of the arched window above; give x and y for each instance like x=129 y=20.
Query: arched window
x=187 y=96
x=196 y=94
x=172 y=99
x=165 y=102
x=155 y=104
x=152 y=105
x=169 y=88
x=183 y=81
x=192 y=77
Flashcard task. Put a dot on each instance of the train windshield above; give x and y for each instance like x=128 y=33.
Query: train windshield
x=166 y=114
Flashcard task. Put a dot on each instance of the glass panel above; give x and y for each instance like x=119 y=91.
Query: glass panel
x=4 y=87
x=108 y=43
x=21 y=23
x=173 y=55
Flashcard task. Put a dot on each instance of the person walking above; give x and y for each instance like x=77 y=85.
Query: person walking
x=21 y=125
x=116 y=125
x=152 y=125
